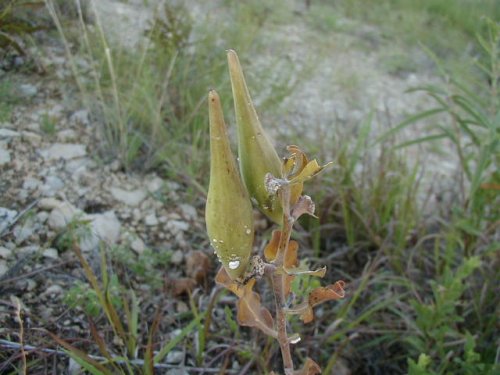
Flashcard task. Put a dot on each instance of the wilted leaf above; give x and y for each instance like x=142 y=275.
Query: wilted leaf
x=183 y=285
x=320 y=295
x=252 y=314
x=310 y=170
x=271 y=249
x=291 y=261
x=304 y=205
x=197 y=266
x=309 y=368
x=223 y=279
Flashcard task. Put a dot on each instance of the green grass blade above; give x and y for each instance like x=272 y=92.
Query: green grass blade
x=177 y=339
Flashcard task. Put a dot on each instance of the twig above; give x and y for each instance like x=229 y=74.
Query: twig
x=278 y=281
x=21 y=334
x=137 y=362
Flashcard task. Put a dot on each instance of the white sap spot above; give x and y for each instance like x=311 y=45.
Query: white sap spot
x=294 y=340
x=233 y=264
x=248 y=231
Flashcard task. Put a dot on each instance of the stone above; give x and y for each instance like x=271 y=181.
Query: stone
x=52 y=185
x=3 y=267
x=137 y=244
x=103 y=227
x=80 y=117
x=188 y=211
x=175 y=357
x=31 y=183
x=51 y=253
x=31 y=137
x=64 y=151
x=24 y=230
x=62 y=215
x=6 y=218
x=177 y=257
x=177 y=226
x=67 y=135
x=130 y=198
x=27 y=90
x=48 y=203
x=5 y=252
x=54 y=290
x=151 y=220
x=27 y=250
x=8 y=133
x=4 y=156
x=154 y=184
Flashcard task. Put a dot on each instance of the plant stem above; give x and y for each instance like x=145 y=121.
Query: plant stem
x=278 y=281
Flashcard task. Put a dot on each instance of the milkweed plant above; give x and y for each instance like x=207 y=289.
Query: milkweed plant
x=275 y=186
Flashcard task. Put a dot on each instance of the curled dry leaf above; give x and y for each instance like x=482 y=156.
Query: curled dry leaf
x=251 y=313
x=304 y=205
x=310 y=368
x=197 y=266
x=320 y=295
x=223 y=279
x=183 y=285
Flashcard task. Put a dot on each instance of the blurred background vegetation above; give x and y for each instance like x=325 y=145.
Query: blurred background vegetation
x=423 y=273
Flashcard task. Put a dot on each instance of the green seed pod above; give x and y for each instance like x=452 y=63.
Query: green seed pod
x=257 y=154
x=228 y=212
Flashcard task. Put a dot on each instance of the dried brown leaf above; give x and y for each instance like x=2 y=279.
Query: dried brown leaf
x=304 y=205
x=183 y=285
x=291 y=261
x=271 y=250
x=322 y=294
x=252 y=314
x=223 y=279
x=310 y=368
x=197 y=266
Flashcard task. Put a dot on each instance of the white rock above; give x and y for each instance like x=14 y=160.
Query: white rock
x=4 y=252
x=42 y=216
x=4 y=156
x=130 y=198
x=62 y=215
x=6 y=218
x=54 y=289
x=49 y=203
x=51 y=253
x=24 y=230
x=31 y=183
x=103 y=227
x=27 y=250
x=67 y=135
x=151 y=220
x=52 y=185
x=137 y=244
x=188 y=211
x=154 y=185
x=175 y=356
x=177 y=257
x=177 y=226
x=31 y=137
x=3 y=267
x=64 y=151
x=27 y=90
x=80 y=117
x=7 y=133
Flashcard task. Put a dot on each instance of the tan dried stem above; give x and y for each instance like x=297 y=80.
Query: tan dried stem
x=278 y=280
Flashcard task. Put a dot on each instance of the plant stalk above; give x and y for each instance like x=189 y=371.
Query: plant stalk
x=278 y=281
